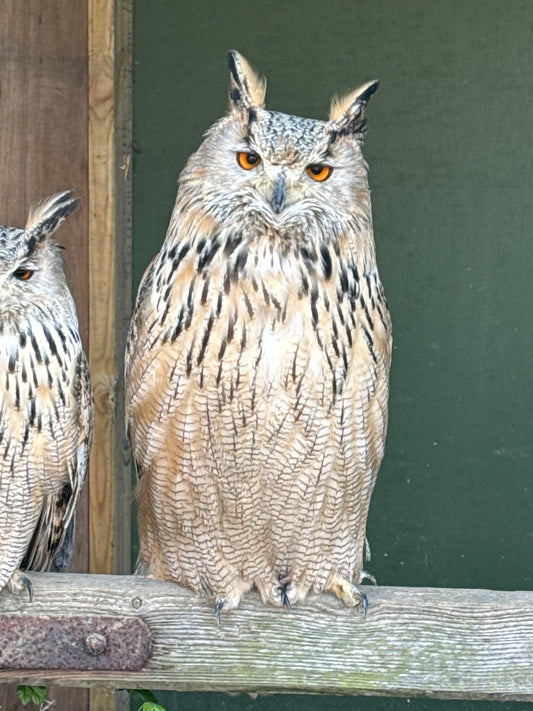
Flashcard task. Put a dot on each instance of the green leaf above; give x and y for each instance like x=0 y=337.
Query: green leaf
x=23 y=692
x=148 y=699
x=143 y=695
x=35 y=694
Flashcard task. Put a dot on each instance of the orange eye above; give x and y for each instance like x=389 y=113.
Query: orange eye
x=247 y=161
x=23 y=274
x=319 y=172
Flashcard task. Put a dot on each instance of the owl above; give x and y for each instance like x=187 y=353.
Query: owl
x=46 y=409
x=258 y=358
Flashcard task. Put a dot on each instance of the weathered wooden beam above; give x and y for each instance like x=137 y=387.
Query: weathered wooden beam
x=464 y=644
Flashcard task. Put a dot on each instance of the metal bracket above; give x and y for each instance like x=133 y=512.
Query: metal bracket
x=76 y=643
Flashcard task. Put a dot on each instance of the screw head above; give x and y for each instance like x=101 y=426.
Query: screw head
x=95 y=643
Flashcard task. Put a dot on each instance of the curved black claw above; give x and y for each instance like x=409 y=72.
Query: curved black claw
x=283 y=594
x=219 y=606
x=29 y=587
x=364 y=602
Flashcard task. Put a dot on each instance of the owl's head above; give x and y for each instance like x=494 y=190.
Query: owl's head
x=31 y=267
x=277 y=171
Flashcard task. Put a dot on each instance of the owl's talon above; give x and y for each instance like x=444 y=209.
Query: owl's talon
x=18 y=582
x=287 y=593
x=348 y=593
x=230 y=600
x=284 y=595
x=219 y=606
x=29 y=587
x=363 y=601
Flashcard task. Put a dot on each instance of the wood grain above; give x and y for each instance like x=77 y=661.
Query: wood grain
x=43 y=149
x=110 y=276
x=110 y=57
x=463 y=644
x=102 y=282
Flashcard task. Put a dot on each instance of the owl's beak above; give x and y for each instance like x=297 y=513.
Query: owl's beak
x=278 y=198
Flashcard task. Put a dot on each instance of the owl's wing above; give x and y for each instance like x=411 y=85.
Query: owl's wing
x=52 y=544
x=137 y=322
x=137 y=347
x=374 y=347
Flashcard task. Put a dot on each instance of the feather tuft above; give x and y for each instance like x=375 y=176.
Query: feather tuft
x=358 y=98
x=247 y=87
x=45 y=217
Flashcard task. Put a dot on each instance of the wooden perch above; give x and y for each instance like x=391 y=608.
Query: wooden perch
x=464 y=644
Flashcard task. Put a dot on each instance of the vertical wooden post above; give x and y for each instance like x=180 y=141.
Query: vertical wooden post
x=102 y=349
x=109 y=286
x=110 y=275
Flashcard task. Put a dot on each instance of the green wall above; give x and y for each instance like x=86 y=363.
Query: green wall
x=450 y=148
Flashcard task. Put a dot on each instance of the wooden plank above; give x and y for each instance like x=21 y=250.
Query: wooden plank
x=110 y=119
x=102 y=349
x=110 y=52
x=463 y=644
x=43 y=149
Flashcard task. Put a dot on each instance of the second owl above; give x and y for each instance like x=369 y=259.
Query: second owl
x=258 y=358
x=46 y=409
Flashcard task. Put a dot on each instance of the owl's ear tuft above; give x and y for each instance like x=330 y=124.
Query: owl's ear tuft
x=347 y=112
x=247 y=88
x=46 y=217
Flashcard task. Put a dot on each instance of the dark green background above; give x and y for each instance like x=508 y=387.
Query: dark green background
x=450 y=148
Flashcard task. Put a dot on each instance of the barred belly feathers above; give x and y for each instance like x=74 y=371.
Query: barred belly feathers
x=46 y=409
x=258 y=359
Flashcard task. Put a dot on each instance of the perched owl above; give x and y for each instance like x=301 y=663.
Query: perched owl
x=258 y=359
x=45 y=399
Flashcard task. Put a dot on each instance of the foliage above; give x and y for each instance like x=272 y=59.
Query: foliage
x=148 y=700
x=33 y=694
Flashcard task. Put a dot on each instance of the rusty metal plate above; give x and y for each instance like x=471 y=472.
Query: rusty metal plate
x=77 y=643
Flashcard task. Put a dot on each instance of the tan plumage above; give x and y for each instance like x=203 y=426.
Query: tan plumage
x=45 y=398
x=258 y=358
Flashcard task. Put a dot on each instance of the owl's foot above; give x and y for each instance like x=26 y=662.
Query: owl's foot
x=348 y=593
x=223 y=604
x=284 y=593
x=18 y=583
x=231 y=598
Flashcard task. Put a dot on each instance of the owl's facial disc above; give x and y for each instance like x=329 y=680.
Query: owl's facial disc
x=288 y=156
